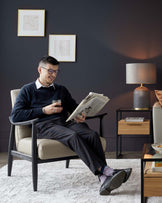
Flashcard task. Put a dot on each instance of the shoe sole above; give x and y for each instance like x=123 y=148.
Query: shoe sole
x=115 y=183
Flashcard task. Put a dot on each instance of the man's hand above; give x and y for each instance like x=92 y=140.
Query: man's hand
x=52 y=108
x=80 y=118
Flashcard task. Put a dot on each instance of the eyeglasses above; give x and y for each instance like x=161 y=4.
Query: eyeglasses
x=51 y=71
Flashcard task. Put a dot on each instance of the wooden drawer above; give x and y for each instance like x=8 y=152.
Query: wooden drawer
x=134 y=128
x=152 y=187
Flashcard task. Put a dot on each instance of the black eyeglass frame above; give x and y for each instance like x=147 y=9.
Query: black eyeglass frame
x=51 y=71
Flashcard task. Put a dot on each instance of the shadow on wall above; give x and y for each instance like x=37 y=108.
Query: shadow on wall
x=126 y=100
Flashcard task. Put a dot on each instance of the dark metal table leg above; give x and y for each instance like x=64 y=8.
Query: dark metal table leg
x=116 y=146
x=116 y=135
x=151 y=128
x=120 y=144
x=142 y=182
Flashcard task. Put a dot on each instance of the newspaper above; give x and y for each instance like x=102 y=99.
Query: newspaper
x=90 y=105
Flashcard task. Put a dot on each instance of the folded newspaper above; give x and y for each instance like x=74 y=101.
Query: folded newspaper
x=90 y=105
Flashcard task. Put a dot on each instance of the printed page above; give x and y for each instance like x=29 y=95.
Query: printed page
x=90 y=106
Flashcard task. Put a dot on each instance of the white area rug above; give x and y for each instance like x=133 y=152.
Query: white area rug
x=77 y=184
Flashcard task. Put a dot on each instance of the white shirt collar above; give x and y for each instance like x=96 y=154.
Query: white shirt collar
x=39 y=85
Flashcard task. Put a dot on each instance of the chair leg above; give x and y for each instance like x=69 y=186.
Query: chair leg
x=35 y=175
x=34 y=158
x=10 y=161
x=10 y=147
x=67 y=163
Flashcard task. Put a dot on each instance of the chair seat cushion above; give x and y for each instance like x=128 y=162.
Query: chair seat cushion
x=48 y=149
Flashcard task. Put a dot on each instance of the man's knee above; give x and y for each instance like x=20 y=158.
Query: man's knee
x=73 y=135
x=94 y=135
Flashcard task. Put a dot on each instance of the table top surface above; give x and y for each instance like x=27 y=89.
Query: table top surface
x=133 y=110
x=148 y=156
x=149 y=153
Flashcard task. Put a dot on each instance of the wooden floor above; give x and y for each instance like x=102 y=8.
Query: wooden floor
x=109 y=155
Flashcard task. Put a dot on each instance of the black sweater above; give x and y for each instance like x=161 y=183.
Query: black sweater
x=30 y=101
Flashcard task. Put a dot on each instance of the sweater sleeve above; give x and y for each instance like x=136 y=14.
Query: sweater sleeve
x=22 y=110
x=70 y=103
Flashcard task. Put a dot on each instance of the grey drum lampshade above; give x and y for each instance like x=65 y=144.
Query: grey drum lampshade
x=141 y=73
x=137 y=73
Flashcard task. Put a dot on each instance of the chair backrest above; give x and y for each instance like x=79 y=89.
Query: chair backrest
x=14 y=94
x=20 y=131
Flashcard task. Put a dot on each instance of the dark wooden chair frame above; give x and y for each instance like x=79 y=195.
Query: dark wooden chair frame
x=12 y=152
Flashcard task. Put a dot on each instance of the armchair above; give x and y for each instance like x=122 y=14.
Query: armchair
x=23 y=143
x=157 y=120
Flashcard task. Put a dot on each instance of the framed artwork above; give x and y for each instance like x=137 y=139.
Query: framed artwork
x=31 y=22
x=63 y=47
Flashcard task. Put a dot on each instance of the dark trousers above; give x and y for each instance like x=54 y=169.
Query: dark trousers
x=78 y=137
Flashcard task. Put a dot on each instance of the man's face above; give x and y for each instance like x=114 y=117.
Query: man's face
x=48 y=74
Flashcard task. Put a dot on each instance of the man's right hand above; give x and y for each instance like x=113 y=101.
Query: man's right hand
x=52 y=108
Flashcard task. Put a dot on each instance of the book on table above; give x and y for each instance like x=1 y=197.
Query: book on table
x=134 y=119
x=157 y=166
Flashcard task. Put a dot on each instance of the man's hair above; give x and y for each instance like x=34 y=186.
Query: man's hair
x=48 y=59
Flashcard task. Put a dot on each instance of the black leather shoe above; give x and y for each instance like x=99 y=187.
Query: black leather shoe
x=112 y=182
x=128 y=171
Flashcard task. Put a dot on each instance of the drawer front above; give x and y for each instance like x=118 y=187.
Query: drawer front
x=152 y=187
x=136 y=128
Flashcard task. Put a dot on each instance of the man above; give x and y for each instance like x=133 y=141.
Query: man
x=35 y=100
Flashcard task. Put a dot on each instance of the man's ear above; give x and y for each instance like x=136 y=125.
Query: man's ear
x=39 y=69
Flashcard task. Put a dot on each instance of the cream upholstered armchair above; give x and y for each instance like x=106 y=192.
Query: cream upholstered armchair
x=23 y=143
x=157 y=120
x=157 y=117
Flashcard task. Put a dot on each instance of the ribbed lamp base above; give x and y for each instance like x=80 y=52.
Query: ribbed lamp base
x=141 y=98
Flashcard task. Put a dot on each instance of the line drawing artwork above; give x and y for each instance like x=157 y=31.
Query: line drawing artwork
x=31 y=22
x=63 y=47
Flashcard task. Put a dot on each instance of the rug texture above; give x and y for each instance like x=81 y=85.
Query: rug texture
x=77 y=184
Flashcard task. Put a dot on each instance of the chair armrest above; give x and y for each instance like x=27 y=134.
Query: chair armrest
x=97 y=116
x=34 y=136
x=29 y=122
x=100 y=116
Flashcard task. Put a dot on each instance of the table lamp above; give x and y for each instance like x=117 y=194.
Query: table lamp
x=141 y=73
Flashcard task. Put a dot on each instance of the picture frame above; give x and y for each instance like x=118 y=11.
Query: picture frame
x=31 y=22
x=63 y=47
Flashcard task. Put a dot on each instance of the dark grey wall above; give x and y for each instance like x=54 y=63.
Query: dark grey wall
x=110 y=33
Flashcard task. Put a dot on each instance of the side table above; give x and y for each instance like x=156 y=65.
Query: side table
x=132 y=128
x=151 y=182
